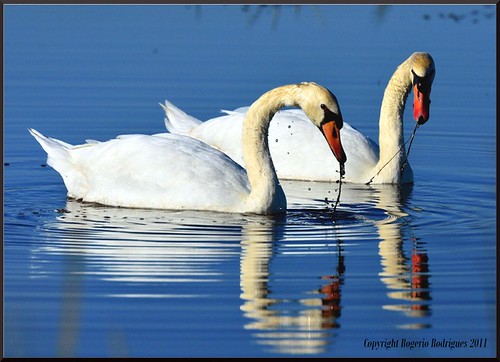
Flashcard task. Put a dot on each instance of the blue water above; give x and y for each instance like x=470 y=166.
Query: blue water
x=411 y=268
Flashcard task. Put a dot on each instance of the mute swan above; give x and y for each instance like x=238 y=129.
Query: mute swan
x=168 y=171
x=297 y=149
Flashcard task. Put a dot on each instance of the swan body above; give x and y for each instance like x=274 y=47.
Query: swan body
x=169 y=171
x=298 y=151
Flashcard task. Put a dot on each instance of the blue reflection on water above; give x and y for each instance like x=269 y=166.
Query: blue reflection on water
x=418 y=263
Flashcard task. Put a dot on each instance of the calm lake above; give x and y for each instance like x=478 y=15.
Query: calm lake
x=404 y=271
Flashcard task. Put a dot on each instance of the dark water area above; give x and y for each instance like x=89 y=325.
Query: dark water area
x=398 y=271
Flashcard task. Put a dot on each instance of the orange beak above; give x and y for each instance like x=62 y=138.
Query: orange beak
x=332 y=134
x=421 y=105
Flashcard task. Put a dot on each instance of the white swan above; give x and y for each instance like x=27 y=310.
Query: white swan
x=168 y=171
x=299 y=152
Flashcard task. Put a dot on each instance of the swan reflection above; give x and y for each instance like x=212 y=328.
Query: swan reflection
x=407 y=277
x=138 y=254
x=144 y=254
x=143 y=246
x=287 y=325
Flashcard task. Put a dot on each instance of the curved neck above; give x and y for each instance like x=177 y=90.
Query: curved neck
x=266 y=193
x=391 y=137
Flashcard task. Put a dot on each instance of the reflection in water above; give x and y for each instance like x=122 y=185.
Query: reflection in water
x=295 y=326
x=407 y=278
x=137 y=245
x=128 y=254
x=72 y=292
x=144 y=254
x=254 y=12
x=472 y=13
x=142 y=248
x=138 y=248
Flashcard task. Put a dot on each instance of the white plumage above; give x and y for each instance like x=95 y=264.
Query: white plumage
x=168 y=171
x=298 y=150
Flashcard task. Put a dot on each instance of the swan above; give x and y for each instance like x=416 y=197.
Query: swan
x=168 y=171
x=297 y=149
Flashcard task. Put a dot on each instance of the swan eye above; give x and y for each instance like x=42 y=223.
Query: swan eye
x=330 y=116
x=423 y=83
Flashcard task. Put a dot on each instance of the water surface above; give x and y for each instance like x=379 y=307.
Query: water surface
x=411 y=268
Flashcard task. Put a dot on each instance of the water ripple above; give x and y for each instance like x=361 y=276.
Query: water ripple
x=291 y=268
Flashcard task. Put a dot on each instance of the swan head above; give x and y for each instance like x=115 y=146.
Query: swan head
x=322 y=108
x=422 y=72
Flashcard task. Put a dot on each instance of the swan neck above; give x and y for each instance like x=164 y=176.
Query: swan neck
x=391 y=136
x=261 y=173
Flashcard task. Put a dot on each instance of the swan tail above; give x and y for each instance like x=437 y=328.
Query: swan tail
x=59 y=158
x=57 y=151
x=177 y=121
x=236 y=111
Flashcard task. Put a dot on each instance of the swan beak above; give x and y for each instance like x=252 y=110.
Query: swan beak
x=421 y=105
x=332 y=134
